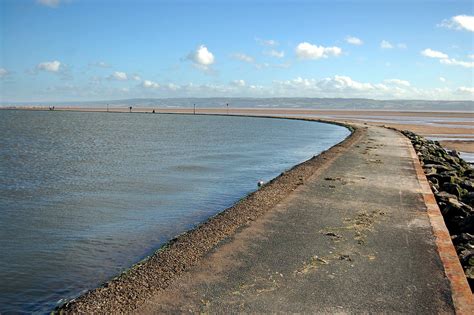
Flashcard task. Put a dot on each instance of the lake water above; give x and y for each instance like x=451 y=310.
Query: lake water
x=83 y=196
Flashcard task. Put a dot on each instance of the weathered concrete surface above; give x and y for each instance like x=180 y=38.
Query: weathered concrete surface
x=354 y=238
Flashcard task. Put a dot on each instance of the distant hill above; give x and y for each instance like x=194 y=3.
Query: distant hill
x=306 y=103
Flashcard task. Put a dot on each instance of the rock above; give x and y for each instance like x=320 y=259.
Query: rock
x=464 y=238
x=453 y=160
x=454 y=189
x=434 y=181
x=467 y=257
x=454 y=153
x=468 y=185
x=432 y=160
x=430 y=171
x=438 y=167
x=440 y=178
x=470 y=273
x=434 y=188
x=469 y=172
x=442 y=195
x=469 y=199
x=452 y=207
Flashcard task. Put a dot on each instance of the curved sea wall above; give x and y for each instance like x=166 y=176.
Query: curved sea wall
x=125 y=292
x=102 y=191
x=452 y=182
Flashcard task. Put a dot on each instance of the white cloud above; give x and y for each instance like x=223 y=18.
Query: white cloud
x=344 y=86
x=459 y=22
x=354 y=40
x=172 y=87
x=324 y=86
x=150 y=84
x=201 y=57
x=339 y=82
x=454 y=62
x=306 y=50
x=275 y=53
x=243 y=57
x=50 y=66
x=238 y=83
x=465 y=90
x=444 y=58
x=471 y=56
x=3 y=72
x=119 y=76
x=433 y=54
x=386 y=45
x=397 y=82
x=49 y=3
x=136 y=78
x=442 y=79
x=335 y=86
x=267 y=42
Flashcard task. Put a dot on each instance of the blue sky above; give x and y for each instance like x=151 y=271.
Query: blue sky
x=65 y=50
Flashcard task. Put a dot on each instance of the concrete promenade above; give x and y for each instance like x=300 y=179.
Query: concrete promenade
x=356 y=237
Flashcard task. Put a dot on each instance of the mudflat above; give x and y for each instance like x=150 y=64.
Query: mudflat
x=459 y=145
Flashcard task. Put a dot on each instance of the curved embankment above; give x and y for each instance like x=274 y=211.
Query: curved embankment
x=143 y=280
x=360 y=232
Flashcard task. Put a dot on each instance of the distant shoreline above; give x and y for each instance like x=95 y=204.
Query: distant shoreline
x=454 y=129
x=236 y=110
x=328 y=103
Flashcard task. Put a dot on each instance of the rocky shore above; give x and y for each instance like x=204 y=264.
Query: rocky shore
x=452 y=182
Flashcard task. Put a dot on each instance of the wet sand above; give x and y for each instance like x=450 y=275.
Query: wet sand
x=464 y=146
x=270 y=111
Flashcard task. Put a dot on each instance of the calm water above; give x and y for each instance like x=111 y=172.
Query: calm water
x=85 y=195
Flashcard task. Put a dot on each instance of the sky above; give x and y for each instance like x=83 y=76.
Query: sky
x=84 y=50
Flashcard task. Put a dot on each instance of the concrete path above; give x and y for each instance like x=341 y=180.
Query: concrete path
x=354 y=238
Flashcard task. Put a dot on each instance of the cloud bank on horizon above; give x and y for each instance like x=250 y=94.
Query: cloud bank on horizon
x=65 y=50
